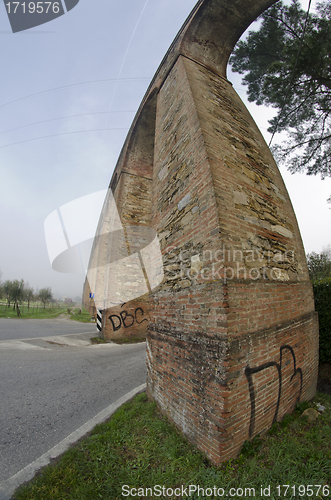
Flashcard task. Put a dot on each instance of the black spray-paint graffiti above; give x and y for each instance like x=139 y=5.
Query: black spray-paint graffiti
x=249 y=374
x=127 y=320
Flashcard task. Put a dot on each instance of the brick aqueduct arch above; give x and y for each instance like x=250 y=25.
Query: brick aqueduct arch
x=232 y=335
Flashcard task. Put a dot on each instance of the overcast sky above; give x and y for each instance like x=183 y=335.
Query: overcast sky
x=69 y=92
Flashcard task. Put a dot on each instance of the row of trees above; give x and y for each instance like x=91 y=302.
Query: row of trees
x=15 y=292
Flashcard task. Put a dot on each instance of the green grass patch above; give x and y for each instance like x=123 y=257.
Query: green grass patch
x=83 y=317
x=34 y=312
x=131 y=340
x=98 y=340
x=39 y=312
x=138 y=447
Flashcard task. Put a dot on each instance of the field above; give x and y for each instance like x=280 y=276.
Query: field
x=37 y=311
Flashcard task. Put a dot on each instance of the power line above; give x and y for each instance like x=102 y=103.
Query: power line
x=125 y=55
x=57 y=135
x=65 y=117
x=69 y=86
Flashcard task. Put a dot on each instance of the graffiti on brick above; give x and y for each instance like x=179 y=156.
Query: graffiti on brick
x=127 y=320
x=249 y=372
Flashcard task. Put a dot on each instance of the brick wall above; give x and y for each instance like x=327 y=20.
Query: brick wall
x=128 y=320
x=233 y=337
x=223 y=392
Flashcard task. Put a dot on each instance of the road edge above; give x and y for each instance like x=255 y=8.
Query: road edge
x=8 y=487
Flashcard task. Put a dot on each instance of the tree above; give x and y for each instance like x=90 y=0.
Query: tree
x=7 y=291
x=45 y=295
x=28 y=295
x=319 y=265
x=287 y=65
x=17 y=293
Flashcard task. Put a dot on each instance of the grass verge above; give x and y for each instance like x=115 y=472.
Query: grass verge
x=98 y=340
x=32 y=313
x=48 y=313
x=129 y=340
x=83 y=317
x=138 y=447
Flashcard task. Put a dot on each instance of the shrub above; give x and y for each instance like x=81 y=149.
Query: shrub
x=322 y=295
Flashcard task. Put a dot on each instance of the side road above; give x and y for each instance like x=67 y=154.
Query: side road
x=17 y=328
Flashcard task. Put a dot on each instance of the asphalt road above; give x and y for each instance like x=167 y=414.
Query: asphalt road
x=53 y=384
x=18 y=328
